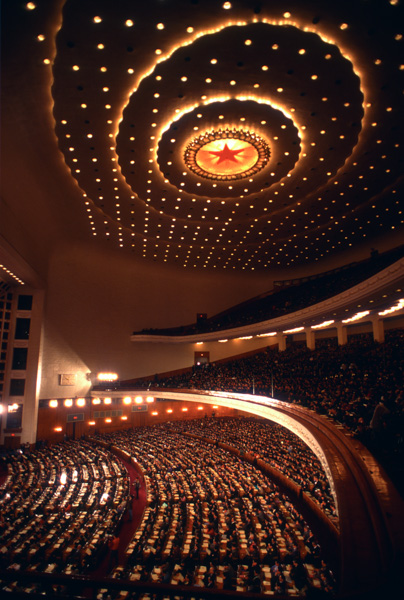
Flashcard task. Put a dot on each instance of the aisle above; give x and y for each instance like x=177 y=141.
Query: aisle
x=127 y=528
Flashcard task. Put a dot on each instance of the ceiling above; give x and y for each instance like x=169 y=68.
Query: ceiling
x=117 y=94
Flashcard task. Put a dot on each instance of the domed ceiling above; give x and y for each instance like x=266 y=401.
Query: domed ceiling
x=238 y=135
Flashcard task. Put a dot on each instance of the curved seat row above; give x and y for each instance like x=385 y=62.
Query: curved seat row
x=215 y=520
x=273 y=444
x=58 y=507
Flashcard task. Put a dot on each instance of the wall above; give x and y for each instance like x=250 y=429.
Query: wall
x=95 y=300
x=50 y=419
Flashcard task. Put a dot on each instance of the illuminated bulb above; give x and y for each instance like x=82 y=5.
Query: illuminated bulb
x=127 y=400
x=160 y=26
x=107 y=400
x=53 y=403
x=107 y=376
x=30 y=5
x=248 y=42
x=97 y=19
x=40 y=37
x=129 y=23
x=81 y=402
x=68 y=402
x=138 y=400
x=227 y=5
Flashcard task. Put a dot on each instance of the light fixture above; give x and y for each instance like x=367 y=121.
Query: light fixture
x=323 y=324
x=107 y=376
x=356 y=317
x=227 y=154
x=396 y=307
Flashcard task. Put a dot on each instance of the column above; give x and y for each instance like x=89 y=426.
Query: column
x=378 y=329
x=342 y=334
x=281 y=341
x=310 y=338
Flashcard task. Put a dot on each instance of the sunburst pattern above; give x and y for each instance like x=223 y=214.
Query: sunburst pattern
x=135 y=84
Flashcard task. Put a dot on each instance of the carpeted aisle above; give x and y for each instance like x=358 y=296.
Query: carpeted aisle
x=127 y=527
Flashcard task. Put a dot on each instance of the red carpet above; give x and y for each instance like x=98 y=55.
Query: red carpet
x=127 y=527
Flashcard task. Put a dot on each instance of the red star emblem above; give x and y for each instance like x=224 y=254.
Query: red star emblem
x=226 y=154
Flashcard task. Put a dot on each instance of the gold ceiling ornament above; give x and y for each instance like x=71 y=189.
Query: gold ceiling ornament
x=227 y=154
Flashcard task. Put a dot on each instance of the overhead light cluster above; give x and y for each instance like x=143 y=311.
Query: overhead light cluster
x=11 y=274
x=393 y=309
x=357 y=316
x=310 y=169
